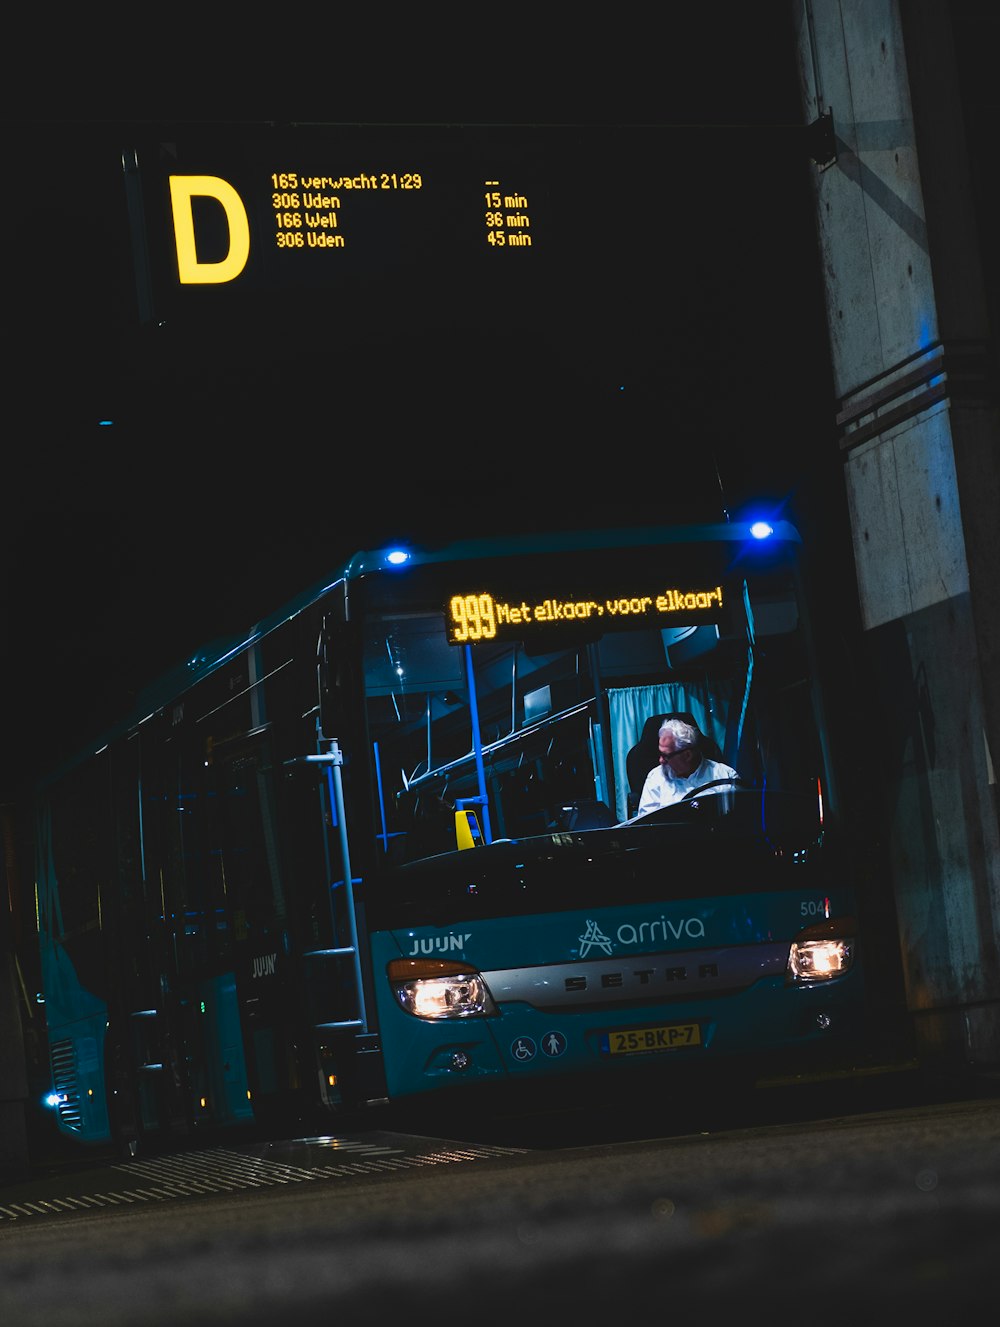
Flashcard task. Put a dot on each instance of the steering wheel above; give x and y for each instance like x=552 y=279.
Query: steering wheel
x=712 y=783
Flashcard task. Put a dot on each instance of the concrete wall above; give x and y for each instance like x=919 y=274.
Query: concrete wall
x=914 y=367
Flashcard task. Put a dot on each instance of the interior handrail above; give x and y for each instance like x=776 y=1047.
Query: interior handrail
x=442 y=771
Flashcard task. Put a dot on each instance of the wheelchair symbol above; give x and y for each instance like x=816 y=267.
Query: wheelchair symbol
x=523 y=1049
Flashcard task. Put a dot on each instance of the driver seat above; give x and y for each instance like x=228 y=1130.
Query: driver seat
x=646 y=752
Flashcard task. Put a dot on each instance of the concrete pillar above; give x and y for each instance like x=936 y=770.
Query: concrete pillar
x=915 y=370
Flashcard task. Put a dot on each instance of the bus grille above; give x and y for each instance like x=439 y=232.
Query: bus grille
x=64 y=1083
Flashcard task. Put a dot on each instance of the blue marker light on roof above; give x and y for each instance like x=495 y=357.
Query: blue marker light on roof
x=761 y=529
x=397 y=557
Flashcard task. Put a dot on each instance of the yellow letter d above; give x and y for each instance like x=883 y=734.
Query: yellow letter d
x=182 y=190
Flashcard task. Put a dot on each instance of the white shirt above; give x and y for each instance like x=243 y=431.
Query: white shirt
x=662 y=788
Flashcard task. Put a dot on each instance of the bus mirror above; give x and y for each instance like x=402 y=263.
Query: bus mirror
x=330 y=682
x=467 y=831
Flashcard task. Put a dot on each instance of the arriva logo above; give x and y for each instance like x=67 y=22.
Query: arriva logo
x=659 y=931
x=439 y=944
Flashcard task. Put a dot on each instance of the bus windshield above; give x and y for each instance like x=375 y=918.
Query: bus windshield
x=531 y=691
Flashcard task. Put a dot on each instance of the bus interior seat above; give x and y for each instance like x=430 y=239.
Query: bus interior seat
x=646 y=753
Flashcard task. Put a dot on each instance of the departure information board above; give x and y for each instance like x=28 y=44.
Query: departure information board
x=279 y=213
x=547 y=251
x=273 y=220
x=510 y=308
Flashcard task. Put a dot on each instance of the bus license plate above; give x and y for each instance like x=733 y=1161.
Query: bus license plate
x=638 y=1041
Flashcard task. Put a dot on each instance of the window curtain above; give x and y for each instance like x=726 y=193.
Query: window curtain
x=630 y=707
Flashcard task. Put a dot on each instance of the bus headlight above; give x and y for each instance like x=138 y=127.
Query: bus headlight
x=822 y=952
x=439 y=988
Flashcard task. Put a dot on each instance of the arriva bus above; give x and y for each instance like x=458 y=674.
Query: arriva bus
x=386 y=847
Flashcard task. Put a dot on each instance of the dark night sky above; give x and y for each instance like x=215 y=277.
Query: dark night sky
x=200 y=509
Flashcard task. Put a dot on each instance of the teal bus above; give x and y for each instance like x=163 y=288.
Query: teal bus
x=386 y=848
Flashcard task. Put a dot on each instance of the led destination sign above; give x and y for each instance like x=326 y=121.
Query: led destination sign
x=481 y=615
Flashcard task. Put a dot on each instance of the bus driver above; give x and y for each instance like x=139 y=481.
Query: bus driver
x=681 y=769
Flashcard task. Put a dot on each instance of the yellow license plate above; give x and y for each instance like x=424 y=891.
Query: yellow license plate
x=640 y=1041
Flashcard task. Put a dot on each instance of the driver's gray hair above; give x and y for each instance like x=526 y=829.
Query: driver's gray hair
x=683 y=733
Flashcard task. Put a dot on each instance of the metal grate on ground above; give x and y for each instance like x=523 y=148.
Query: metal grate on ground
x=218 y=1170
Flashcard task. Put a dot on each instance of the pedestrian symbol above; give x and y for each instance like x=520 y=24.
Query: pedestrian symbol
x=553 y=1043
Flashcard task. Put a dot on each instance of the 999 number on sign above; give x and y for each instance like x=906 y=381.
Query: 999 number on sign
x=473 y=617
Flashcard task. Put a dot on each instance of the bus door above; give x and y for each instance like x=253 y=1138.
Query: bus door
x=337 y=982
